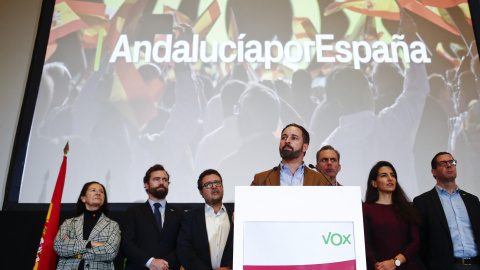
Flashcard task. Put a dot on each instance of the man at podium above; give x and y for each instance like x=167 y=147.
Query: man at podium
x=291 y=171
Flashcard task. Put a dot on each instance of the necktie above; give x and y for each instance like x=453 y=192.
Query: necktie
x=158 y=216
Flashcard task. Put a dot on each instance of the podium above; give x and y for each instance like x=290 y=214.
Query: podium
x=308 y=228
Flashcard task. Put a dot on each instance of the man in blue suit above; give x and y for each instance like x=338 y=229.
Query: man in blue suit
x=149 y=236
x=450 y=233
x=205 y=240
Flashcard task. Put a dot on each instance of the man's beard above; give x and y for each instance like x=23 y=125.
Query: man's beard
x=213 y=201
x=158 y=193
x=289 y=154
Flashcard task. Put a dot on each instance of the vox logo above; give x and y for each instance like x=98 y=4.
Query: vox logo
x=336 y=239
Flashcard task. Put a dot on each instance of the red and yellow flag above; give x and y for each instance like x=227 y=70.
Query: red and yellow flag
x=206 y=21
x=443 y=3
x=177 y=15
x=46 y=256
x=134 y=98
x=433 y=14
x=93 y=14
x=303 y=28
x=387 y=9
x=64 y=21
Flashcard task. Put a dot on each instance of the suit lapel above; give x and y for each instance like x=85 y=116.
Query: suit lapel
x=202 y=226
x=437 y=205
x=149 y=213
x=470 y=205
x=169 y=215
x=228 y=252
x=307 y=180
x=274 y=177
x=101 y=224
x=230 y=233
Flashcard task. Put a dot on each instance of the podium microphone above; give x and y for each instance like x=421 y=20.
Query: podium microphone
x=274 y=169
x=315 y=168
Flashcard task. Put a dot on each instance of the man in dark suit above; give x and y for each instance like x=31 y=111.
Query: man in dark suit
x=149 y=236
x=205 y=240
x=292 y=170
x=450 y=233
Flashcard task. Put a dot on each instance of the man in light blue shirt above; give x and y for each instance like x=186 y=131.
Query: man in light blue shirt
x=450 y=233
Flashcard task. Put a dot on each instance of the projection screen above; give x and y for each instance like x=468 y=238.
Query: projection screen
x=194 y=85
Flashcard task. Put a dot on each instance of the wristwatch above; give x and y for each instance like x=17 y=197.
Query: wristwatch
x=397 y=261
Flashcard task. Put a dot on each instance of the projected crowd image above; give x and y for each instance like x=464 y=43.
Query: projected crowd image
x=202 y=84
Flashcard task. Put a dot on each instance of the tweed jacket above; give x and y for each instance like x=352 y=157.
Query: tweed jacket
x=101 y=257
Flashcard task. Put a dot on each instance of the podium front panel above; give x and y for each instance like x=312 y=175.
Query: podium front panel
x=298 y=228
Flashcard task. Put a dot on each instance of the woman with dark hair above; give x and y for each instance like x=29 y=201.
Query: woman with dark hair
x=91 y=240
x=390 y=222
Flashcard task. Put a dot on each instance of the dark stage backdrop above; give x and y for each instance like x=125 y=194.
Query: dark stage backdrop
x=21 y=231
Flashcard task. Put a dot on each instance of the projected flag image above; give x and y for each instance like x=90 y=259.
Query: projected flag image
x=205 y=84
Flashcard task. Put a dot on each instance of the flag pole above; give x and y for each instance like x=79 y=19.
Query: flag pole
x=46 y=256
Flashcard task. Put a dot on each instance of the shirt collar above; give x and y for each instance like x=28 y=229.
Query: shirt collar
x=442 y=191
x=162 y=203
x=284 y=168
x=209 y=209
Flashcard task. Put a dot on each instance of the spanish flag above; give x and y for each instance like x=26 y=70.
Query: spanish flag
x=179 y=16
x=64 y=21
x=206 y=21
x=443 y=3
x=46 y=256
x=432 y=14
x=134 y=98
x=386 y=9
x=303 y=28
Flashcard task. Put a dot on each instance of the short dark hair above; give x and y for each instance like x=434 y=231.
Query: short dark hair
x=154 y=168
x=205 y=173
x=328 y=147
x=305 y=135
x=81 y=205
x=434 y=160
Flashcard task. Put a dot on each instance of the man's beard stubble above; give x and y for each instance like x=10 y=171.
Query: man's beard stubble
x=213 y=201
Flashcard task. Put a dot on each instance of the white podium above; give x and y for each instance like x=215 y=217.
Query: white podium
x=298 y=228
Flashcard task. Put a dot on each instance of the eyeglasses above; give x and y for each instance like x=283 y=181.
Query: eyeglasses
x=211 y=184
x=452 y=162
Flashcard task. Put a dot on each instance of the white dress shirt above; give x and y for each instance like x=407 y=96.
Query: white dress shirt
x=218 y=227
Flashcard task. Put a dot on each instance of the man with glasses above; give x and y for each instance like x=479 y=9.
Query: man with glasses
x=450 y=233
x=205 y=240
x=149 y=236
